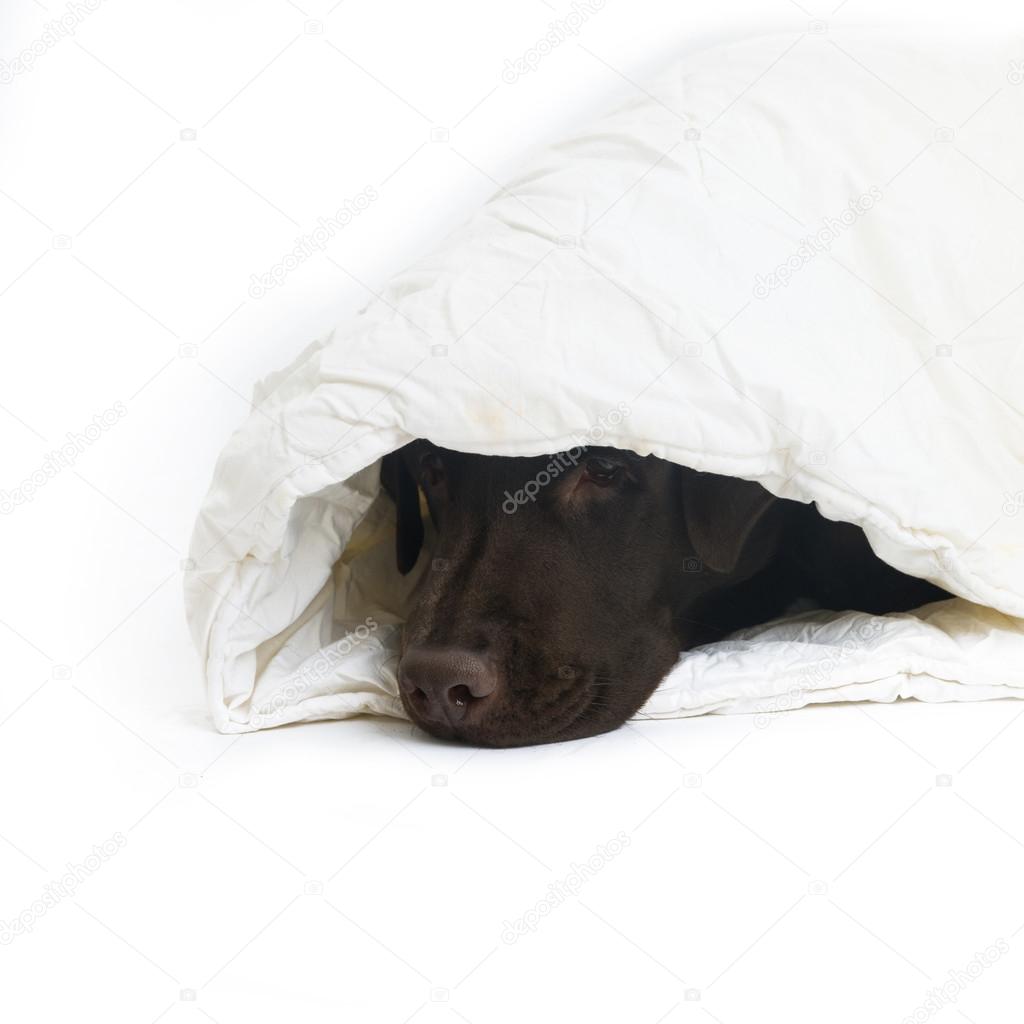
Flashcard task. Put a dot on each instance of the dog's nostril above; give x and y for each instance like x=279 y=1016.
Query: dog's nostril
x=460 y=696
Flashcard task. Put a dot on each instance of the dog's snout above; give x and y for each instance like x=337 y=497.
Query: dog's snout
x=446 y=686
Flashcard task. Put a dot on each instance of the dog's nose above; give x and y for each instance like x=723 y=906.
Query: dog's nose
x=447 y=685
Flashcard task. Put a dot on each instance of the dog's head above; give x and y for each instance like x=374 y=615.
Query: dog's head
x=558 y=589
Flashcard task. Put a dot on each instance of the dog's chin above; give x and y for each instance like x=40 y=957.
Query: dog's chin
x=590 y=720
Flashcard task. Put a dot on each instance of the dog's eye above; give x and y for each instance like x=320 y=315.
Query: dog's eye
x=431 y=470
x=601 y=471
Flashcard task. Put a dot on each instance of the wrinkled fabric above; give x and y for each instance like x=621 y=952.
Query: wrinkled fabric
x=776 y=262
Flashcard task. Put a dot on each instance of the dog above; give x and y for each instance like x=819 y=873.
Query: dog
x=561 y=589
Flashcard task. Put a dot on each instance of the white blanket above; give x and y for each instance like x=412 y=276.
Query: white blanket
x=797 y=263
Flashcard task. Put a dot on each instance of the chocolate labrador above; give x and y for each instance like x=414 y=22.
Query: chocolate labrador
x=561 y=589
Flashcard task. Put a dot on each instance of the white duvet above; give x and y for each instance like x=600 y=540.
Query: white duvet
x=794 y=260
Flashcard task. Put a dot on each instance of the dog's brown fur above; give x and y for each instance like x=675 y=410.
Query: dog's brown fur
x=562 y=589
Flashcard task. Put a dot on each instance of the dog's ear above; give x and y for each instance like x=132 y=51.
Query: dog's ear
x=396 y=479
x=721 y=513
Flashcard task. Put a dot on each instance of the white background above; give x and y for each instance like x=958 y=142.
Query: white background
x=836 y=864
